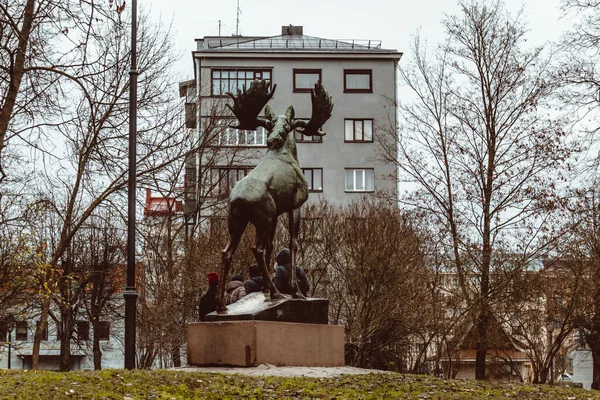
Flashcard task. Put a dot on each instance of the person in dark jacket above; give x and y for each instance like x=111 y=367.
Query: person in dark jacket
x=208 y=301
x=255 y=283
x=283 y=273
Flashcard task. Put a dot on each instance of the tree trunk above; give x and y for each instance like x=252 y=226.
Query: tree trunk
x=16 y=76
x=96 y=346
x=594 y=339
x=481 y=344
x=596 y=364
x=176 y=356
x=35 y=354
x=65 y=338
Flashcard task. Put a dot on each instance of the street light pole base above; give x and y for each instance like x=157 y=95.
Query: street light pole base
x=130 y=296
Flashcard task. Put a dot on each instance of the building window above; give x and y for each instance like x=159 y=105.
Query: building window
x=230 y=80
x=360 y=180
x=229 y=136
x=305 y=79
x=358 y=130
x=224 y=179
x=314 y=179
x=103 y=330
x=300 y=138
x=83 y=330
x=312 y=229
x=21 y=330
x=44 y=332
x=218 y=226
x=358 y=81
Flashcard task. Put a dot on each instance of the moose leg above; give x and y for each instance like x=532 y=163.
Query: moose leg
x=262 y=239
x=294 y=228
x=269 y=250
x=235 y=235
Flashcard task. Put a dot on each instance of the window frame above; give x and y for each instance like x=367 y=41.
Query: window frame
x=302 y=138
x=364 y=169
x=311 y=71
x=256 y=72
x=20 y=325
x=368 y=72
x=85 y=333
x=216 y=187
x=311 y=230
x=103 y=325
x=238 y=133
x=312 y=170
x=355 y=140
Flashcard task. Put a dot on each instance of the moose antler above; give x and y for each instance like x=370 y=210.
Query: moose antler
x=321 y=111
x=247 y=104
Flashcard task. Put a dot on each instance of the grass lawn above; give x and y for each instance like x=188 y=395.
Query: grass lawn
x=169 y=384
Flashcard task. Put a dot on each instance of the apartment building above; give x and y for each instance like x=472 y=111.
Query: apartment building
x=359 y=75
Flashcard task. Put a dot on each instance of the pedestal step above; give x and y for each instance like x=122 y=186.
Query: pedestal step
x=251 y=343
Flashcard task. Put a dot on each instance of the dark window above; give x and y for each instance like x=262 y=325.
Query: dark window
x=103 y=330
x=21 y=330
x=314 y=179
x=223 y=179
x=360 y=180
x=305 y=79
x=218 y=226
x=189 y=183
x=312 y=229
x=300 y=138
x=229 y=136
x=230 y=80
x=83 y=330
x=356 y=224
x=190 y=115
x=45 y=332
x=358 y=130
x=358 y=81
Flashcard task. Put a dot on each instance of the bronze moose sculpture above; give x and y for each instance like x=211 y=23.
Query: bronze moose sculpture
x=276 y=185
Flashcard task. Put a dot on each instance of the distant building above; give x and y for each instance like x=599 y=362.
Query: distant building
x=16 y=343
x=359 y=75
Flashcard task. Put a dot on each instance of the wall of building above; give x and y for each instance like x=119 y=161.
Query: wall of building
x=20 y=351
x=583 y=368
x=333 y=154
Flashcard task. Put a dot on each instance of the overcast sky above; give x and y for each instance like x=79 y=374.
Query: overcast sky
x=393 y=22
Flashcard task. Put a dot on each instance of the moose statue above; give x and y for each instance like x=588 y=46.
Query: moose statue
x=276 y=185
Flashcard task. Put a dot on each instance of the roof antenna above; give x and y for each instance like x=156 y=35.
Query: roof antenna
x=237 y=22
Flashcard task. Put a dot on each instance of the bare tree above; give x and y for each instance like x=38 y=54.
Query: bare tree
x=40 y=42
x=578 y=72
x=375 y=276
x=92 y=172
x=483 y=155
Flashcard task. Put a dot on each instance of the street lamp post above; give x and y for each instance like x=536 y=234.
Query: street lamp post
x=130 y=293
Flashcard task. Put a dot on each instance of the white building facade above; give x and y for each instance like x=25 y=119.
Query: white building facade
x=360 y=76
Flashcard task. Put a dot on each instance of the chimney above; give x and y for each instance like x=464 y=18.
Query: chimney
x=148 y=197
x=291 y=30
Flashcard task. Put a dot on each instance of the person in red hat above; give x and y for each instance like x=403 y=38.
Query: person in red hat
x=208 y=301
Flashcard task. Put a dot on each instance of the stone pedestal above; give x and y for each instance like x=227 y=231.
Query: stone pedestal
x=256 y=330
x=253 y=342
